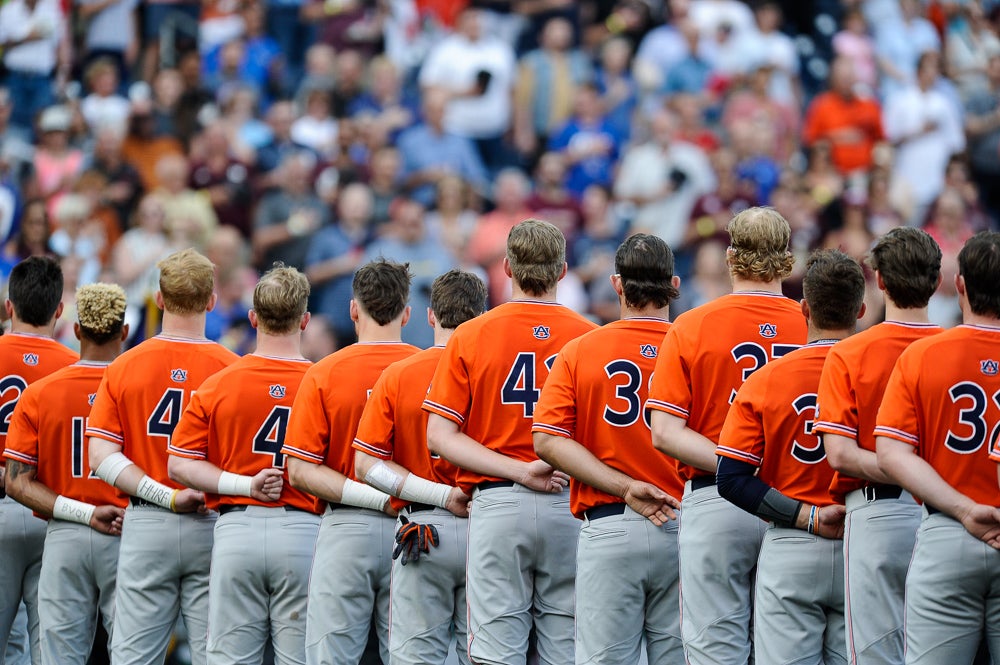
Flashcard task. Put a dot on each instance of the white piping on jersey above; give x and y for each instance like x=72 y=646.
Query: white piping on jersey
x=822 y=342
x=980 y=326
x=645 y=318
x=758 y=293
x=28 y=334
x=376 y=343
x=92 y=363
x=187 y=340
x=529 y=301
x=285 y=358
x=910 y=324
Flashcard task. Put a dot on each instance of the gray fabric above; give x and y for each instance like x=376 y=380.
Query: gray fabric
x=627 y=590
x=778 y=508
x=21 y=554
x=18 y=651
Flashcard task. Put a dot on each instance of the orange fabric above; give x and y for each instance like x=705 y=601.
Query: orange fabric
x=770 y=426
x=830 y=114
x=24 y=359
x=711 y=350
x=594 y=395
x=52 y=439
x=144 y=393
x=853 y=383
x=237 y=420
x=143 y=155
x=394 y=427
x=492 y=372
x=942 y=398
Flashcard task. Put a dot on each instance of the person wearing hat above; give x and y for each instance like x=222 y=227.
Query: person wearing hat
x=56 y=161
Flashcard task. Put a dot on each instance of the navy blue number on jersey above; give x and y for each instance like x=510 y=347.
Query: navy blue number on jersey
x=11 y=388
x=973 y=417
x=166 y=414
x=520 y=386
x=804 y=404
x=627 y=393
x=271 y=435
x=758 y=354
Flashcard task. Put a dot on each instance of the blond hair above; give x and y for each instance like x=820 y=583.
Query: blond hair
x=280 y=299
x=100 y=309
x=536 y=251
x=187 y=280
x=758 y=242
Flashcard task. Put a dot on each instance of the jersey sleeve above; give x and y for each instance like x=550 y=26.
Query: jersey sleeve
x=308 y=435
x=104 y=421
x=897 y=416
x=190 y=437
x=22 y=435
x=742 y=436
x=670 y=390
x=376 y=429
x=555 y=412
x=450 y=393
x=837 y=411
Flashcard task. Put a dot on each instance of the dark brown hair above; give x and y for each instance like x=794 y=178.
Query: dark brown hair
x=979 y=265
x=646 y=266
x=456 y=297
x=381 y=289
x=834 y=287
x=909 y=262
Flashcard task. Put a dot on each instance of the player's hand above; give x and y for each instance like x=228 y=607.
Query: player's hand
x=389 y=510
x=108 y=519
x=267 y=484
x=830 y=522
x=651 y=502
x=458 y=503
x=983 y=522
x=189 y=501
x=541 y=477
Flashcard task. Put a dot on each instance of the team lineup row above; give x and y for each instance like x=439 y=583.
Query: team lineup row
x=756 y=454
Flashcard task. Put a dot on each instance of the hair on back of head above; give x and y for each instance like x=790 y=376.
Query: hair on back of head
x=35 y=289
x=909 y=261
x=536 y=251
x=456 y=297
x=187 y=281
x=834 y=288
x=280 y=298
x=979 y=266
x=100 y=309
x=758 y=239
x=382 y=288
x=646 y=267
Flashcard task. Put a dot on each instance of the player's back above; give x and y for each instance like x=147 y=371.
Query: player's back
x=144 y=393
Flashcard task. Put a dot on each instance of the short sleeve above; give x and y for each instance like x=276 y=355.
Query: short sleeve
x=376 y=430
x=836 y=402
x=742 y=436
x=308 y=436
x=450 y=392
x=22 y=435
x=555 y=412
x=190 y=437
x=897 y=416
x=670 y=390
x=104 y=421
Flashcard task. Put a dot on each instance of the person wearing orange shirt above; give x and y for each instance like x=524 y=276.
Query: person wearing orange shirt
x=48 y=472
x=522 y=536
x=349 y=581
x=882 y=519
x=937 y=423
x=707 y=354
x=589 y=424
x=27 y=354
x=390 y=453
x=166 y=544
x=771 y=465
x=228 y=445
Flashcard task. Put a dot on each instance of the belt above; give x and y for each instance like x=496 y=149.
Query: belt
x=241 y=507
x=493 y=484
x=701 y=482
x=878 y=492
x=604 y=510
x=931 y=510
x=139 y=502
x=419 y=507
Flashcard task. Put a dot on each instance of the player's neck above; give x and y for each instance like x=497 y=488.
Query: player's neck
x=20 y=328
x=626 y=312
x=894 y=312
x=370 y=331
x=442 y=335
x=99 y=353
x=821 y=334
x=188 y=327
x=741 y=285
x=279 y=346
x=971 y=319
x=517 y=293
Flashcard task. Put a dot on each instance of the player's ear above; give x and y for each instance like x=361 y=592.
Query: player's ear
x=212 y=301
x=675 y=281
x=879 y=280
x=306 y=317
x=59 y=309
x=354 y=310
x=805 y=308
x=960 y=285
x=76 y=330
x=406 y=316
x=864 y=308
x=125 y=330
x=506 y=267
x=431 y=319
x=8 y=307
x=564 y=269
x=252 y=317
x=616 y=284
x=159 y=300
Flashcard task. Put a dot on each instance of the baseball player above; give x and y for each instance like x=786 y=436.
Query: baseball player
x=47 y=471
x=938 y=420
x=481 y=402
x=166 y=542
x=427 y=595
x=228 y=445
x=771 y=465
x=349 y=582
x=705 y=357
x=27 y=354
x=882 y=519
x=589 y=423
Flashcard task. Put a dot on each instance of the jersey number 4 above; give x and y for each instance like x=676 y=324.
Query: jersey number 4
x=166 y=414
x=271 y=435
x=520 y=386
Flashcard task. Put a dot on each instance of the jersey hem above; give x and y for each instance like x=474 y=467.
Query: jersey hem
x=897 y=434
x=443 y=411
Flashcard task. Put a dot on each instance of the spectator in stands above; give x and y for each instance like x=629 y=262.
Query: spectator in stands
x=663 y=46
x=280 y=117
x=293 y=36
x=619 y=91
x=168 y=87
x=112 y=32
x=143 y=148
x=767 y=44
x=220 y=174
x=36 y=54
x=261 y=61
x=103 y=106
x=32 y=238
x=190 y=217
x=488 y=245
x=602 y=231
x=970 y=43
x=56 y=162
x=287 y=217
x=711 y=212
x=386 y=169
x=588 y=142
x=135 y=255
x=692 y=72
x=452 y=221
x=78 y=235
x=855 y=43
x=899 y=43
x=316 y=128
x=123 y=183
x=552 y=200
x=982 y=126
x=756 y=106
x=709 y=278
x=385 y=102
x=165 y=14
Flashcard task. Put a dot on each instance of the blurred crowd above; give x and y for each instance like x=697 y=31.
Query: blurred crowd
x=323 y=133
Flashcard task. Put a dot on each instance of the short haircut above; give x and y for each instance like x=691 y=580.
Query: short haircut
x=646 y=267
x=280 y=299
x=536 y=251
x=979 y=265
x=35 y=289
x=834 y=288
x=381 y=289
x=456 y=297
x=909 y=261
x=187 y=280
x=100 y=309
x=759 y=240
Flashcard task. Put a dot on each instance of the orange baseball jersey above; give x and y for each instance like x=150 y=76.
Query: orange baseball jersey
x=770 y=425
x=24 y=359
x=144 y=393
x=47 y=430
x=492 y=373
x=853 y=383
x=943 y=397
x=711 y=350
x=237 y=420
x=394 y=427
x=330 y=401
x=594 y=395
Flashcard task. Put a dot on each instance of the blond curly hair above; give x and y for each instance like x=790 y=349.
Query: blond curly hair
x=100 y=309
x=758 y=245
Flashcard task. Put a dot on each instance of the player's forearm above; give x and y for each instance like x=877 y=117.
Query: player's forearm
x=846 y=456
x=901 y=463
x=317 y=479
x=673 y=437
x=197 y=474
x=445 y=439
x=127 y=479
x=23 y=487
x=575 y=459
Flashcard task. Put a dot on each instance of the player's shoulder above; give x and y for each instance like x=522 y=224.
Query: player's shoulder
x=641 y=336
x=26 y=349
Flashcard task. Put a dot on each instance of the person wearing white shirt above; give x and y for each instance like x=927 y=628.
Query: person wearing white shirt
x=33 y=38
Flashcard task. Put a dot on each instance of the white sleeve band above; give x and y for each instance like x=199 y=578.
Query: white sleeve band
x=155 y=492
x=422 y=490
x=363 y=496
x=234 y=484
x=380 y=476
x=72 y=510
x=112 y=467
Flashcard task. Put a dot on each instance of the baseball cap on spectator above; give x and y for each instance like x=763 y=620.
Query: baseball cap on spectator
x=55 y=119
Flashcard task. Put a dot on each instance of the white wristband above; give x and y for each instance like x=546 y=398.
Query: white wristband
x=380 y=476
x=363 y=496
x=155 y=492
x=112 y=467
x=235 y=484
x=71 y=510
x=422 y=490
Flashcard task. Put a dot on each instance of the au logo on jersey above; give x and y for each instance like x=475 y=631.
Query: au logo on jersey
x=90 y=398
x=30 y=359
x=768 y=330
x=277 y=391
x=541 y=332
x=179 y=375
x=989 y=367
x=647 y=350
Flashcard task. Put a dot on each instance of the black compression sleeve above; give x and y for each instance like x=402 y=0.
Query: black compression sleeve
x=738 y=483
